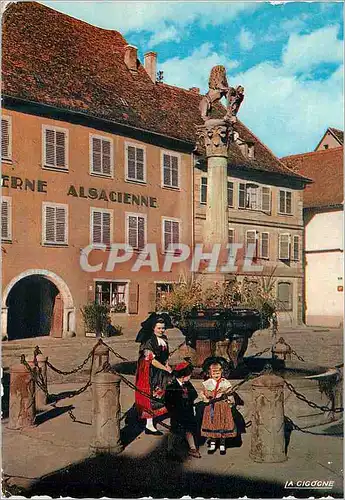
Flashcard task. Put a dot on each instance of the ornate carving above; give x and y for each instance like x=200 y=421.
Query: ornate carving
x=215 y=135
x=218 y=88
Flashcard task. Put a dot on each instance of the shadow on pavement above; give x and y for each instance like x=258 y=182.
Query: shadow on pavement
x=153 y=475
x=53 y=413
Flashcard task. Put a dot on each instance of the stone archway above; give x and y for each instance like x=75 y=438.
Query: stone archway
x=63 y=310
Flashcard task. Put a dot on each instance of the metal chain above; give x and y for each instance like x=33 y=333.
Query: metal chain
x=295 y=427
x=311 y=403
x=260 y=353
x=75 y=370
x=297 y=355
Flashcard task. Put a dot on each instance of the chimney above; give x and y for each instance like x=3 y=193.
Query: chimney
x=195 y=90
x=131 y=57
x=150 y=65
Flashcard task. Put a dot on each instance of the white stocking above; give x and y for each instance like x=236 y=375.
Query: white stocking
x=149 y=424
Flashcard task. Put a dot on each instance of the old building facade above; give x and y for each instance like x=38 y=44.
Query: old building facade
x=103 y=155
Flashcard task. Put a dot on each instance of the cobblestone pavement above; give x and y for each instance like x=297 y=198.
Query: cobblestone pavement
x=53 y=458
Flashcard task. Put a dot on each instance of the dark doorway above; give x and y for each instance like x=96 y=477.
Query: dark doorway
x=34 y=309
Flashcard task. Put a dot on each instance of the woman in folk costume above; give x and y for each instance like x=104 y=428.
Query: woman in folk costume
x=218 y=422
x=153 y=370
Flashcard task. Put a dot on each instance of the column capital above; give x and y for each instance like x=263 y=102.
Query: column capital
x=215 y=135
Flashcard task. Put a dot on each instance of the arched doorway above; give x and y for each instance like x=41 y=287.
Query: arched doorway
x=35 y=309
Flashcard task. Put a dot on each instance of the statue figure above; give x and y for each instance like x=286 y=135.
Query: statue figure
x=218 y=88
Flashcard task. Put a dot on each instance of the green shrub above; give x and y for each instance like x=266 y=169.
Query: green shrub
x=96 y=318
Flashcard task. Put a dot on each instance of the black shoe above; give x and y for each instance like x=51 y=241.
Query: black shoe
x=153 y=433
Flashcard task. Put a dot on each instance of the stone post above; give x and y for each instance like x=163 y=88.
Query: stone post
x=22 y=398
x=100 y=357
x=41 y=396
x=106 y=413
x=267 y=434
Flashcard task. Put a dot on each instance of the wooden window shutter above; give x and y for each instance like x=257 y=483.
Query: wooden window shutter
x=296 y=248
x=174 y=171
x=5 y=138
x=106 y=157
x=241 y=195
x=166 y=170
x=5 y=220
x=133 y=304
x=282 y=202
x=167 y=236
x=264 y=251
x=106 y=228
x=90 y=291
x=49 y=224
x=132 y=231
x=60 y=149
x=50 y=147
x=175 y=232
x=140 y=164
x=288 y=207
x=152 y=296
x=60 y=225
x=284 y=246
x=96 y=227
x=266 y=199
x=96 y=155
x=141 y=232
x=131 y=162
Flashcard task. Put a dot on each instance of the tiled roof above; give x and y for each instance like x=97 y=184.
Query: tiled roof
x=325 y=168
x=54 y=59
x=339 y=134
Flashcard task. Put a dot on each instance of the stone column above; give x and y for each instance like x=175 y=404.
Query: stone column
x=100 y=357
x=106 y=413
x=267 y=433
x=41 y=396
x=215 y=136
x=22 y=398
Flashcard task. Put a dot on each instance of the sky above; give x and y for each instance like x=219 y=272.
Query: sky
x=288 y=57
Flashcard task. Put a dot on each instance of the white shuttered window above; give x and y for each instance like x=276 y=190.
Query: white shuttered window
x=135 y=163
x=101 y=155
x=171 y=232
x=170 y=170
x=55 y=147
x=136 y=231
x=6 y=137
x=6 y=218
x=252 y=240
x=296 y=248
x=101 y=226
x=264 y=245
x=284 y=246
x=55 y=224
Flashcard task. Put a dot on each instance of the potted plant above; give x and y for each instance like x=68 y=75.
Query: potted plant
x=96 y=318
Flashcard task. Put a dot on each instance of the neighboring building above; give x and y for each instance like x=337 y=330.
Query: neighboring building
x=94 y=150
x=332 y=138
x=324 y=233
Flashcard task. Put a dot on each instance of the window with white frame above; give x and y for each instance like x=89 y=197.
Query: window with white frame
x=170 y=170
x=285 y=202
x=101 y=226
x=284 y=295
x=252 y=242
x=254 y=197
x=55 y=147
x=171 y=232
x=203 y=190
x=6 y=218
x=296 y=248
x=112 y=293
x=55 y=224
x=230 y=194
x=284 y=246
x=101 y=155
x=136 y=231
x=231 y=240
x=264 y=245
x=135 y=163
x=6 y=137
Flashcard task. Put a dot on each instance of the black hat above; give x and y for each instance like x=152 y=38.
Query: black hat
x=148 y=325
x=214 y=360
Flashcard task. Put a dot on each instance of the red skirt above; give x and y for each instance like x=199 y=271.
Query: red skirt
x=218 y=421
x=151 y=383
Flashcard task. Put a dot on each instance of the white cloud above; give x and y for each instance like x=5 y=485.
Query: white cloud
x=194 y=70
x=246 y=39
x=289 y=113
x=307 y=51
x=165 y=35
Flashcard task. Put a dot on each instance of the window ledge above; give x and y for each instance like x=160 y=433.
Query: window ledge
x=135 y=181
x=104 y=176
x=55 y=169
x=171 y=188
x=7 y=241
x=282 y=213
x=55 y=245
x=7 y=160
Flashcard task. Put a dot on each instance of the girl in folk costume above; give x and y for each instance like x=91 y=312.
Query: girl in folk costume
x=153 y=370
x=179 y=399
x=218 y=422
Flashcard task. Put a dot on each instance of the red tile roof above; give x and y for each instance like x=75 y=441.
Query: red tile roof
x=51 y=58
x=325 y=168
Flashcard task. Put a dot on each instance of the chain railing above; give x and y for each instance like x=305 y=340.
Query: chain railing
x=297 y=355
x=301 y=397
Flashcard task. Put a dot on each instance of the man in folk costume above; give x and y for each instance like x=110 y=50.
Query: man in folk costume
x=179 y=400
x=218 y=422
x=153 y=370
